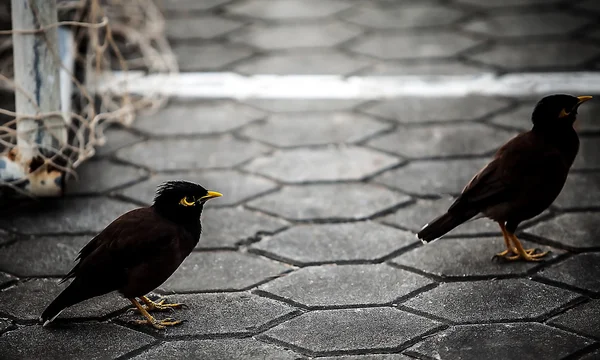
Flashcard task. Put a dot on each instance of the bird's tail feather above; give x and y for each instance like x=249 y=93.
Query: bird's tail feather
x=442 y=225
x=68 y=297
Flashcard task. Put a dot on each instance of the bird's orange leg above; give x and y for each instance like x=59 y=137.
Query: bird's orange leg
x=506 y=237
x=527 y=255
x=159 y=306
x=150 y=320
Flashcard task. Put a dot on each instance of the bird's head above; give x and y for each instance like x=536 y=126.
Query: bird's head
x=556 y=111
x=182 y=200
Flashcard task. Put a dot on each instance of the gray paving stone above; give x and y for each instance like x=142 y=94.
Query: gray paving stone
x=220 y=314
x=469 y=257
x=28 y=299
x=530 y=341
x=198 y=117
x=574 y=230
x=199 y=27
x=313 y=244
x=580 y=191
x=442 y=140
x=70 y=215
x=235 y=186
x=285 y=36
x=42 y=256
x=369 y=357
x=288 y=9
x=412 y=110
x=582 y=319
x=518 y=118
x=431 y=68
x=496 y=300
x=413 y=46
x=581 y=271
x=326 y=164
x=304 y=105
x=192 y=154
x=312 y=62
x=587 y=119
x=5 y=279
x=4 y=324
x=403 y=16
x=225 y=228
x=591 y=356
x=208 y=57
x=324 y=332
x=331 y=201
x=222 y=270
x=587 y=158
x=520 y=25
x=5 y=237
x=116 y=138
x=222 y=349
x=302 y=129
x=73 y=341
x=189 y=5
x=346 y=285
x=508 y=3
x=439 y=177
x=589 y=5
x=97 y=177
x=538 y=55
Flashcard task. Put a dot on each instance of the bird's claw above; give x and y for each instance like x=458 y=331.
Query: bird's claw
x=159 y=324
x=529 y=255
x=161 y=306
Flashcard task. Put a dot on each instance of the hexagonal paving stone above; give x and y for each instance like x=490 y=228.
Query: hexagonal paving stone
x=572 y=230
x=42 y=256
x=442 y=140
x=329 y=164
x=330 y=62
x=420 y=110
x=225 y=228
x=189 y=5
x=506 y=3
x=403 y=16
x=75 y=341
x=572 y=196
x=333 y=331
x=369 y=357
x=191 y=154
x=491 y=300
x=28 y=300
x=582 y=319
x=350 y=242
x=471 y=257
x=198 y=117
x=304 y=105
x=413 y=46
x=490 y=341
x=192 y=57
x=430 y=68
x=591 y=356
x=346 y=285
x=288 y=9
x=221 y=349
x=538 y=56
x=334 y=201
x=520 y=25
x=433 y=177
x=199 y=27
x=69 y=215
x=116 y=138
x=587 y=158
x=235 y=186
x=301 y=129
x=222 y=270
x=274 y=37
x=518 y=118
x=96 y=177
x=580 y=271
x=221 y=314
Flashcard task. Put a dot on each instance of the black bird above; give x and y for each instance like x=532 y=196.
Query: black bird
x=523 y=179
x=138 y=251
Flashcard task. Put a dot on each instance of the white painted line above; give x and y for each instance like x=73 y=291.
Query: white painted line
x=231 y=85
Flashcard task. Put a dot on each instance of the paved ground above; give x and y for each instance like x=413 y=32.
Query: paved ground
x=311 y=252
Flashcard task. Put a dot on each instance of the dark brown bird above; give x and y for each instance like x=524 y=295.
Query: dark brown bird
x=523 y=179
x=138 y=251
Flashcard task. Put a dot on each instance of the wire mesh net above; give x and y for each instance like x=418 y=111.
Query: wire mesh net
x=90 y=41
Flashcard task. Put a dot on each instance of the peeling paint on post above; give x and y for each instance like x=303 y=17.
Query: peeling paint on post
x=37 y=70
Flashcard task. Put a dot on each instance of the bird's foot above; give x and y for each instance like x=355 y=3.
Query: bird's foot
x=528 y=255
x=160 y=306
x=159 y=324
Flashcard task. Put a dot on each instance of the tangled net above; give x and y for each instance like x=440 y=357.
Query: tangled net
x=110 y=38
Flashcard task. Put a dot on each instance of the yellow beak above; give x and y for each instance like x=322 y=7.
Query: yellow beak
x=211 y=194
x=583 y=99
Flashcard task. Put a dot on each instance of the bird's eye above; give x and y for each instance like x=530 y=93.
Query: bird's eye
x=564 y=113
x=187 y=201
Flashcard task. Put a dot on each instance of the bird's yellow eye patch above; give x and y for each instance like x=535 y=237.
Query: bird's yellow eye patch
x=187 y=201
x=563 y=113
